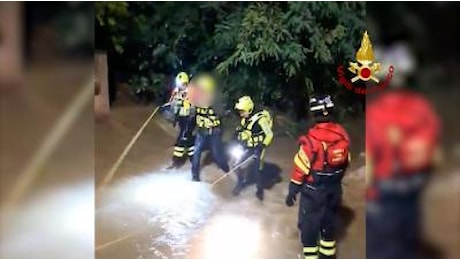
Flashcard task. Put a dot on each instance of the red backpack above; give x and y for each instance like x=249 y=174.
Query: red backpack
x=330 y=145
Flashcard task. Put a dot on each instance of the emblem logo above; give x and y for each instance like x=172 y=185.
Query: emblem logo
x=364 y=69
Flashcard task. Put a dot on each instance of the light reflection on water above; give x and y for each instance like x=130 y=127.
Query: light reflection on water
x=232 y=237
x=167 y=206
x=50 y=223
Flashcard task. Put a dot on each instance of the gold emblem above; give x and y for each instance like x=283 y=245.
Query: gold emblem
x=365 y=68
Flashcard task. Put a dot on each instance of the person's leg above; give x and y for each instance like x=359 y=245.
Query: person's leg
x=190 y=143
x=383 y=231
x=327 y=243
x=257 y=172
x=199 y=146
x=241 y=180
x=310 y=212
x=179 y=146
x=218 y=151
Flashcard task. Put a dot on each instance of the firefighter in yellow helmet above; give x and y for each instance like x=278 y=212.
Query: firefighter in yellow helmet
x=182 y=109
x=208 y=124
x=255 y=134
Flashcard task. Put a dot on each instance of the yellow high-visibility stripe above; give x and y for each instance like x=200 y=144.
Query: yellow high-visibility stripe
x=304 y=157
x=299 y=163
x=327 y=243
x=178 y=154
x=296 y=182
x=179 y=149
x=327 y=252
x=310 y=249
x=310 y=257
x=261 y=162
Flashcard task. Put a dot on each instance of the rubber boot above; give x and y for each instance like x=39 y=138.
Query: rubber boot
x=240 y=184
x=196 y=178
x=260 y=194
x=175 y=163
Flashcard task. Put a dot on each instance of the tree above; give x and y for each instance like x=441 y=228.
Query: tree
x=277 y=52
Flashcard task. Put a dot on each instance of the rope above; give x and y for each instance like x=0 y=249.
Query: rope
x=231 y=171
x=50 y=143
x=108 y=177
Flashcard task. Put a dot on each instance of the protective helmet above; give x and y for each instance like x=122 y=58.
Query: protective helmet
x=245 y=103
x=182 y=79
x=321 y=103
x=205 y=83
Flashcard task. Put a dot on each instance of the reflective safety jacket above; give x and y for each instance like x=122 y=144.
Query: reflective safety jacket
x=256 y=130
x=181 y=104
x=206 y=118
x=323 y=155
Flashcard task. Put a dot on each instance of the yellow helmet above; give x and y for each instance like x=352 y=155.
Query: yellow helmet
x=206 y=83
x=245 y=103
x=182 y=78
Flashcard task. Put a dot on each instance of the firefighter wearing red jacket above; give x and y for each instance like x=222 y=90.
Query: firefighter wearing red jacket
x=401 y=150
x=319 y=167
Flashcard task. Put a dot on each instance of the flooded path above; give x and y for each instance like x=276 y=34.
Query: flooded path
x=149 y=212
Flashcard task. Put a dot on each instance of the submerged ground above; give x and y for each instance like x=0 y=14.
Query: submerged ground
x=149 y=212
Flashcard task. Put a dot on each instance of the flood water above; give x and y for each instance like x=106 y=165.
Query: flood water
x=149 y=212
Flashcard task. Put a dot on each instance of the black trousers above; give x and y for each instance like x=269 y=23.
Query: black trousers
x=253 y=170
x=393 y=220
x=317 y=211
x=184 y=145
x=392 y=229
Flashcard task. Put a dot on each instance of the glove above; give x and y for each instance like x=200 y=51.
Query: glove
x=165 y=107
x=290 y=199
x=293 y=190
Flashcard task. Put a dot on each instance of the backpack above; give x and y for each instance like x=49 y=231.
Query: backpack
x=332 y=148
x=336 y=153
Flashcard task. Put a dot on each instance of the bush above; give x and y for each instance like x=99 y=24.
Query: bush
x=277 y=52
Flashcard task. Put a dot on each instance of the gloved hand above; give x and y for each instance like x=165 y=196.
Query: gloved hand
x=164 y=107
x=293 y=190
x=290 y=199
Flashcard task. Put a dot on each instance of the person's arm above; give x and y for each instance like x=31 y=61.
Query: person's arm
x=301 y=168
x=265 y=125
x=173 y=94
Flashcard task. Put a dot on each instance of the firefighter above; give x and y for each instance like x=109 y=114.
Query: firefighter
x=402 y=139
x=183 y=116
x=319 y=167
x=209 y=132
x=255 y=134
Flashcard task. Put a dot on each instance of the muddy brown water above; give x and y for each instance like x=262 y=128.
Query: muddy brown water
x=149 y=212
x=56 y=211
